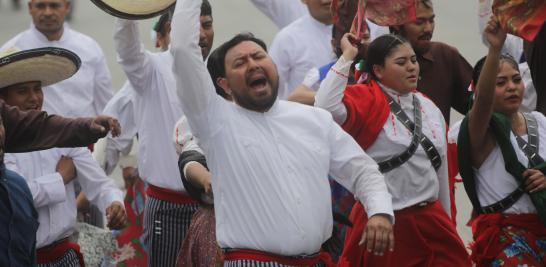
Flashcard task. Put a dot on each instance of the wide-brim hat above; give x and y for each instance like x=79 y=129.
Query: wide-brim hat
x=48 y=65
x=135 y=9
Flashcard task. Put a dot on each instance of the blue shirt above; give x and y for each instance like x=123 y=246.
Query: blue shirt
x=18 y=221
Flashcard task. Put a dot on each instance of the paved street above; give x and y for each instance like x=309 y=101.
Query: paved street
x=456 y=25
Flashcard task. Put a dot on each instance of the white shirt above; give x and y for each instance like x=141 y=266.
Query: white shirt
x=493 y=182
x=120 y=107
x=281 y=12
x=183 y=138
x=156 y=106
x=300 y=46
x=269 y=170
x=416 y=180
x=529 y=102
x=86 y=93
x=55 y=201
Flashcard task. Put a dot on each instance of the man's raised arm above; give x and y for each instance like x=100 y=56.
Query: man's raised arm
x=194 y=86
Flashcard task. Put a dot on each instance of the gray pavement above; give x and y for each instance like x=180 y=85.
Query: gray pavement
x=456 y=24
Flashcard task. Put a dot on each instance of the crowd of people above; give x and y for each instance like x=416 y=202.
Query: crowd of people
x=333 y=148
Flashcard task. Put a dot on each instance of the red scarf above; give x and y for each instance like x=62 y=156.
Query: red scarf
x=367 y=112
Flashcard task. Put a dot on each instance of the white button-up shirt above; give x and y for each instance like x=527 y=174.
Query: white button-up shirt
x=300 y=46
x=55 y=201
x=281 y=12
x=269 y=170
x=120 y=107
x=416 y=180
x=86 y=93
x=156 y=106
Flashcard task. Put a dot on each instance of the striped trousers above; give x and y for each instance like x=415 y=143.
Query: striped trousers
x=252 y=263
x=69 y=259
x=165 y=227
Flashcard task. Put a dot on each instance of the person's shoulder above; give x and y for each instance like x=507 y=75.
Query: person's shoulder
x=298 y=109
x=291 y=30
x=541 y=119
x=84 y=39
x=429 y=106
x=13 y=42
x=361 y=91
x=81 y=36
x=443 y=48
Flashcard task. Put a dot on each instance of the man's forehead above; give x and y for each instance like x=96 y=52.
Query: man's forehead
x=205 y=18
x=49 y=1
x=424 y=11
x=24 y=85
x=243 y=49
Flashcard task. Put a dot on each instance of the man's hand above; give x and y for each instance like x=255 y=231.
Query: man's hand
x=199 y=176
x=378 y=234
x=116 y=216
x=535 y=182
x=130 y=176
x=66 y=168
x=104 y=124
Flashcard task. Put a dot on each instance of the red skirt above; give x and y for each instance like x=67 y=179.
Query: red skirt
x=515 y=240
x=424 y=236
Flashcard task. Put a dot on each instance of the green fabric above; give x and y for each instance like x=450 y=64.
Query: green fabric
x=500 y=127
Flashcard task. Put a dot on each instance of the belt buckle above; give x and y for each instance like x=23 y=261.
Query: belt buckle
x=422 y=204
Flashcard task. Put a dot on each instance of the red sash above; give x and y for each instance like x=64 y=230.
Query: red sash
x=486 y=229
x=254 y=255
x=56 y=251
x=169 y=195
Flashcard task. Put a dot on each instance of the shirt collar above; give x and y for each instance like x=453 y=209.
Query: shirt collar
x=428 y=55
x=273 y=110
x=319 y=25
x=43 y=38
x=393 y=93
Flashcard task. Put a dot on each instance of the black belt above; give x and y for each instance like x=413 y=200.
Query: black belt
x=505 y=203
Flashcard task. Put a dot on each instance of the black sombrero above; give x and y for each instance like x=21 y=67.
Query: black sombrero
x=49 y=65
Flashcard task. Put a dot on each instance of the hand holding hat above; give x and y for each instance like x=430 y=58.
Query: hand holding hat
x=105 y=124
x=134 y=9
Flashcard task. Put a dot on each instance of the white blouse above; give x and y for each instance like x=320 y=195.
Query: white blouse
x=493 y=182
x=416 y=180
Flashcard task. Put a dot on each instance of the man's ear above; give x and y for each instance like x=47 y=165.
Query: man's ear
x=224 y=84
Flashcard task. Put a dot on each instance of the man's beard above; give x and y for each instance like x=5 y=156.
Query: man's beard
x=261 y=105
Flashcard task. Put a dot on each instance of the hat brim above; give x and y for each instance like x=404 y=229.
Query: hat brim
x=48 y=65
x=134 y=9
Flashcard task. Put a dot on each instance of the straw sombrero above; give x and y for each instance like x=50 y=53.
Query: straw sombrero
x=48 y=65
x=135 y=9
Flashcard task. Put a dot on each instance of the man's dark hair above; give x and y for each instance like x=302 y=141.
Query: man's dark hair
x=206 y=9
x=394 y=30
x=159 y=26
x=220 y=69
x=426 y=3
x=380 y=49
x=214 y=65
